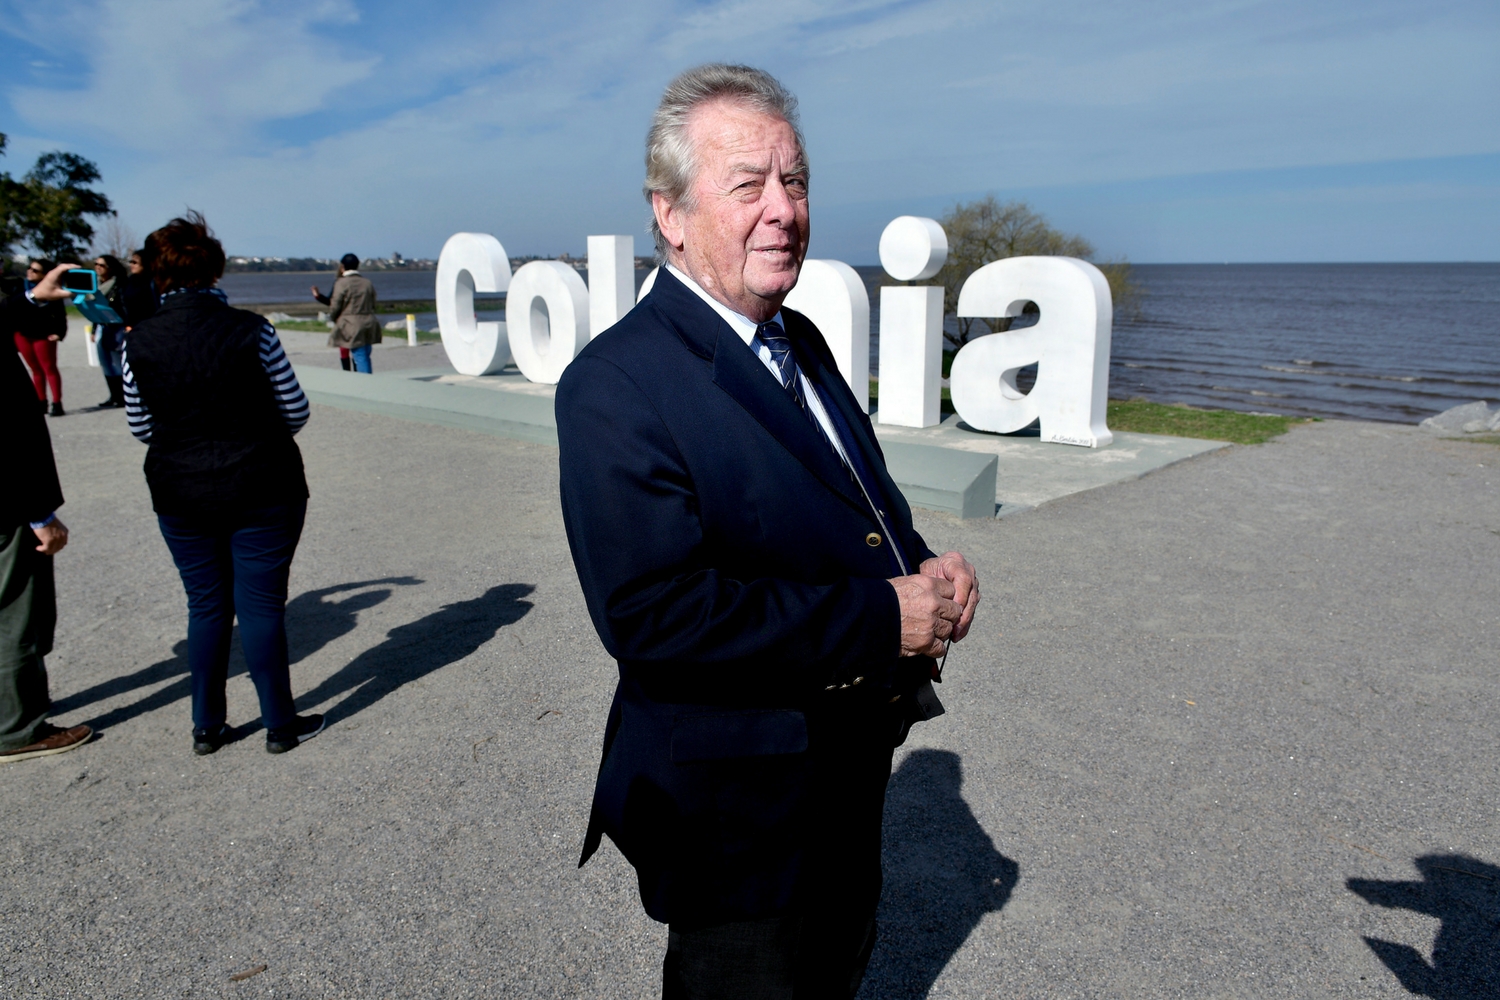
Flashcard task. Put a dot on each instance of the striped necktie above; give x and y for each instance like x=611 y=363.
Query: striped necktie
x=780 y=346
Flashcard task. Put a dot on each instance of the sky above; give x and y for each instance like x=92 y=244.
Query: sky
x=1195 y=131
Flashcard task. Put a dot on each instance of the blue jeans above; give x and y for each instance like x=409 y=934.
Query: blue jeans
x=361 y=356
x=237 y=564
x=111 y=341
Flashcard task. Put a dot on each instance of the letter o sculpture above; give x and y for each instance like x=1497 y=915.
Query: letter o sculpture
x=1069 y=345
x=547 y=318
x=469 y=263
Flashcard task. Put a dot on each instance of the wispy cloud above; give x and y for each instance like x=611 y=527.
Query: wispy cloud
x=205 y=72
x=378 y=123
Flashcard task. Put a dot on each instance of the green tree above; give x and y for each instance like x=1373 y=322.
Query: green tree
x=980 y=232
x=57 y=202
x=48 y=210
x=10 y=226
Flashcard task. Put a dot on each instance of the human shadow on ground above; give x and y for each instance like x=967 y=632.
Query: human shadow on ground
x=414 y=650
x=942 y=875
x=162 y=670
x=312 y=620
x=1462 y=892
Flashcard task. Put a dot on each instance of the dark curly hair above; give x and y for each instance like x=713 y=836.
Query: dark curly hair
x=183 y=254
x=112 y=266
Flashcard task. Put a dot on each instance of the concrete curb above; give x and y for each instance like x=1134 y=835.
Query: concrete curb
x=948 y=468
x=421 y=397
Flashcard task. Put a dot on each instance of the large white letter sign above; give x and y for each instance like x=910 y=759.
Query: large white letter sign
x=469 y=263
x=1069 y=345
x=831 y=294
x=611 y=281
x=647 y=285
x=547 y=317
x=911 y=324
x=913 y=248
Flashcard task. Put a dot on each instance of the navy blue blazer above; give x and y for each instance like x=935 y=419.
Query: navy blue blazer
x=737 y=574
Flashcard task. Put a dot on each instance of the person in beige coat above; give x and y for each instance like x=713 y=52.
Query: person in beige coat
x=351 y=306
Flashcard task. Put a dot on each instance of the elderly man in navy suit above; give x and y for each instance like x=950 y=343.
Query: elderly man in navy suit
x=752 y=567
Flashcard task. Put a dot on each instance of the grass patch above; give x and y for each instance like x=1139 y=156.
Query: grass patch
x=305 y=325
x=481 y=302
x=1477 y=438
x=1141 y=416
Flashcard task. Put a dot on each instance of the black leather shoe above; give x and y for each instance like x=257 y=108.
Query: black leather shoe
x=206 y=741
x=57 y=410
x=299 y=730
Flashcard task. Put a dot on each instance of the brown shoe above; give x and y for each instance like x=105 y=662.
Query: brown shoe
x=53 y=740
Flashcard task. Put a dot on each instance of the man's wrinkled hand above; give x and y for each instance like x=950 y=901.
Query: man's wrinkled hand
x=928 y=613
x=957 y=570
x=52 y=536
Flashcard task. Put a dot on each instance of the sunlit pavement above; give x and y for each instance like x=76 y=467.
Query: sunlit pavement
x=1208 y=723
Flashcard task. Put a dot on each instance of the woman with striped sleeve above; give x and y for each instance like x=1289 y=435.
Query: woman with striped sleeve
x=210 y=390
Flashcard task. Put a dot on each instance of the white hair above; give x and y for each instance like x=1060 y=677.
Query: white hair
x=671 y=161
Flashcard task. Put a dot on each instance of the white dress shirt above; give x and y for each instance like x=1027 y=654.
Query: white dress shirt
x=745 y=327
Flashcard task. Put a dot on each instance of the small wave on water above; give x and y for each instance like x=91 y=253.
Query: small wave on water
x=1338 y=374
x=1394 y=342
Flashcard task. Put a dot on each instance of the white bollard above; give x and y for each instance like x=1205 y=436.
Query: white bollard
x=90 y=345
x=411 y=330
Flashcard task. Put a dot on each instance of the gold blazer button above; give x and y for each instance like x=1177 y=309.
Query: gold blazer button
x=872 y=540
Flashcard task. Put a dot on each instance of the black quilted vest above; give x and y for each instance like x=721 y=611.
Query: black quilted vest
x=218 y=444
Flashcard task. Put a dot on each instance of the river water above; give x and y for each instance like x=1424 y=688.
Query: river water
x=1394 y=342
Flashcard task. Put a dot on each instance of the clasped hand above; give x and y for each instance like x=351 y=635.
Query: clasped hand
x=53 y=537
x=937 y=604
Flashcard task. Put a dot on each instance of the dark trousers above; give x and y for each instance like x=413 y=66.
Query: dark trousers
x=811 y=956
x=28 y=613
x=818 y=951
x=237 y=565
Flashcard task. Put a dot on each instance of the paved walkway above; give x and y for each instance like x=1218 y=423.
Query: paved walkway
x=1215 y=729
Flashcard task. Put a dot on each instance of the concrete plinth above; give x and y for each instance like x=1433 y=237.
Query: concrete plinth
x=948 y=468
x=506 y=405
x=1031 y=472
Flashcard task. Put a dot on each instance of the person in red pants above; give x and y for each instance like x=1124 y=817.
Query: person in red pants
x=38 y=327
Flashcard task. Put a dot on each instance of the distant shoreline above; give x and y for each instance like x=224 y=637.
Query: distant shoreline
x=426 y=266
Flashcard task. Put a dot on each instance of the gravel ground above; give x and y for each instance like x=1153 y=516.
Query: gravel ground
x=1226 y=731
